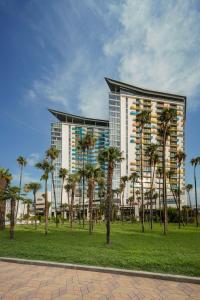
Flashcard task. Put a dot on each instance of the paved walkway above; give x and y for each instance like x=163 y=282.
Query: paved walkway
x=26 y=282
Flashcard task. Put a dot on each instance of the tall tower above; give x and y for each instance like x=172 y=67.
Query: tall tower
x=64 y=136
x=125 y=102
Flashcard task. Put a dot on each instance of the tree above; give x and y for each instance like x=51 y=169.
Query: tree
x=12 y=193
x=194 y=162
x=84 y=144
x=27 y=202
x=62 y=174
x=142 y=119
x=151 y=153
x=123 y=181
x=34 y=187
x=73 y=179
x=5 y=179
x=52 y=153
x=159 y=174
x=165 y=119
x=111 y=156
x=67 y=188
x=22 y=163
x=189 y=187
x=92 y=173
x=180 y=157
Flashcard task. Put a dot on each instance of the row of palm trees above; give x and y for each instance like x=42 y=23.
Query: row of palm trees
x=90 y=175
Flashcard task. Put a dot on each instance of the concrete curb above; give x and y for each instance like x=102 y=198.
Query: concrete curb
x=177 y=278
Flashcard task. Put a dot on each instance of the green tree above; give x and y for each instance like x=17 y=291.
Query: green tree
x=34 y=187
x=159 y=174
x=194 y=162
x=12 y=194
x=73 y=179
x=84 y=144
x=62 y=174
x=189 y=187
x=52 y=153
x=111 y=156
x=165 y=120
x=123 y=182
x=143 y=118
x=151 y=153
x=92 y=173
x=5 y=179
x=22 y=163
x=134 y=179
x=180 y=158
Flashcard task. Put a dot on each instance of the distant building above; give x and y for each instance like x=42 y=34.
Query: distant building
x=40 y=203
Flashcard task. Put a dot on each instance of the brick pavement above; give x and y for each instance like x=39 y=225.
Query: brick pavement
x=24 y=282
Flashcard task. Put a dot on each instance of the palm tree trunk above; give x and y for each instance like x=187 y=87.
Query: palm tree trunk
x=35 y=211
x=20 y=186
x=90 y=192
x=61 y=204
x=83 y=188
x=54 y=193
x=46 y=208
x=164 y=186
x=160 y=214
x=179 y=197
x=71 y=207
x=108 y=201
x=12 y=217
x=195 y=186
x=141 y=176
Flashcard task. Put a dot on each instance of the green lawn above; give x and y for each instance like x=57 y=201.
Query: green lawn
x=177 y=253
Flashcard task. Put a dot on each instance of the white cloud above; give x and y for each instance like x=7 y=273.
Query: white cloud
x=33 y=159
x=158 y=45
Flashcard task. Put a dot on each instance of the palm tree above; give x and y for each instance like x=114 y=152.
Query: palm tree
x=12 y=194
x=84 y=144
x=27 y=203
x=111 y=156
x=52 y=153
x=67 y=188
x=22 y=163
x=165 y=120
x=159 y=174
x=92 y=173
x=123 y=181
x=180 y=157
x=5 y=179
x=194 y=162
x=133 y=178
x=151 y=153
x=62 y=174
x=34 y=187
x=142 y=119
x=73 y=179
x=189 y=187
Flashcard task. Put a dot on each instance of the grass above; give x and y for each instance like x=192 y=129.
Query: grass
x=176 y=253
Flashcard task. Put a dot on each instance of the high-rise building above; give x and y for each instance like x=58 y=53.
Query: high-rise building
x=64 y=136
x=125 y=102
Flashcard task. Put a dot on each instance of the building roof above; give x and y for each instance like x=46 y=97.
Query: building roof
x=74 y=119
x=117 y=86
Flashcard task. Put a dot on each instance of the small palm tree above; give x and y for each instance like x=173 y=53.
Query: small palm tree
x=52 y=153
x=5 y=179
x=133 y=178
x=12 y=194
x=73 y=179
x=123 y=181
x=159 y=174
x=62 y=174
x=22 y=163
x=111 y=156
x=34 y=187
x=194 y=162
x=151 y=153
x=84 y=144
x=92 y=173
x=189 y=187
x=180 y=157
x=165 y=119
x=27 y=203
x=143 y=118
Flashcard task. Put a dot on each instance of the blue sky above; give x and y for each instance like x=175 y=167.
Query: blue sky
x=56 y=54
